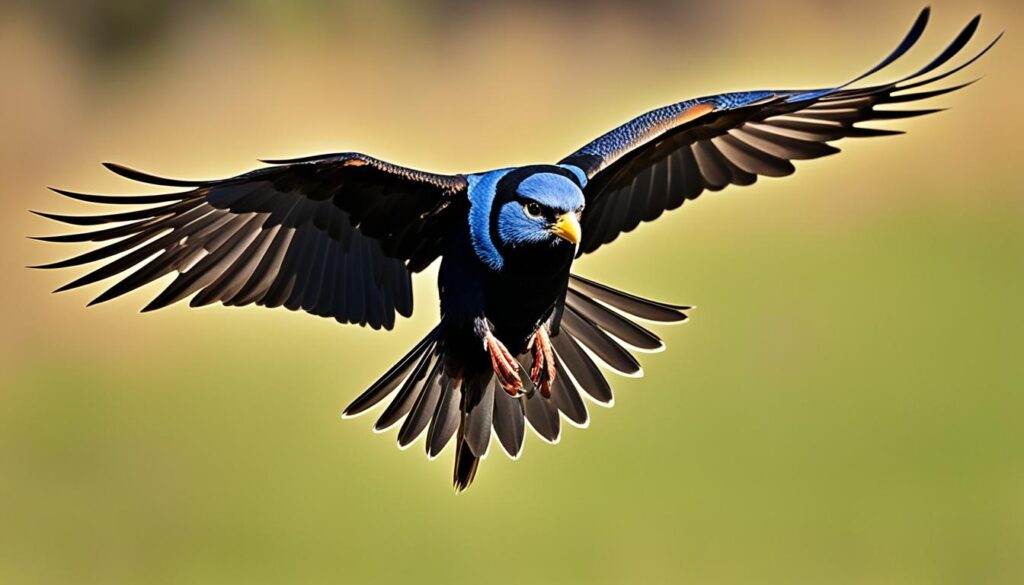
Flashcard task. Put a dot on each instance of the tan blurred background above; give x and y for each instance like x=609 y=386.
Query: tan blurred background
x=845 y=406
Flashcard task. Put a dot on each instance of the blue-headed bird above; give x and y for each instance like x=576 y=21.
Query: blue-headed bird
x=520 y=337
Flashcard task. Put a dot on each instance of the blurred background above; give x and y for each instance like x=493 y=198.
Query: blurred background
x=844 y=407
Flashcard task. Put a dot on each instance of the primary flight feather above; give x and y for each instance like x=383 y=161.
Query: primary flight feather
x=521 y=339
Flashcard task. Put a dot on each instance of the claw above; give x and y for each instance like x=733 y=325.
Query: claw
x=506 y=367
x=543 y=371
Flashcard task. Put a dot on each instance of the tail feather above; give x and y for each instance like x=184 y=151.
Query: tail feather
x=542 y=415
x=392 y=378
x=479 y=414
x=567 y=398
x=628 y=303
x=509 y=423
x=466 y=463
x=446 y=418
x=410 y=391
x=583 y=369
x=474 y=434
x=612 y=322
x=597 y=327
x=423 y=410
x=596 y=340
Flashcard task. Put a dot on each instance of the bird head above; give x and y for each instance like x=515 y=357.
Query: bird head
x=524 y=212
x=542 y=209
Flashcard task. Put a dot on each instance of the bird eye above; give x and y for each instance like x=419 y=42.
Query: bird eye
x=533 y=209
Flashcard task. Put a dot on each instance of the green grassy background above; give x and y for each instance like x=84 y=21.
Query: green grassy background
x=844 y=406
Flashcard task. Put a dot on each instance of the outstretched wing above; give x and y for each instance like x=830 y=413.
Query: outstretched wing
x=659 y=160
x=335 y=235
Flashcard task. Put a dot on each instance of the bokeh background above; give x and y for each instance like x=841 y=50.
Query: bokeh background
x=844 y=407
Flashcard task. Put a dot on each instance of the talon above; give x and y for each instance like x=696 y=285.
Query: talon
x=505 y=365
x=543 y=371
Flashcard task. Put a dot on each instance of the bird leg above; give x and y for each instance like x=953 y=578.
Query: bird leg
x=506 y=366
x=543 y=371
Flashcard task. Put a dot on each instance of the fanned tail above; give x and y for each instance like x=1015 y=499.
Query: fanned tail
x=598 y=329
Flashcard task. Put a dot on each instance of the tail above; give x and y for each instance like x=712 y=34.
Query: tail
x=595 y=326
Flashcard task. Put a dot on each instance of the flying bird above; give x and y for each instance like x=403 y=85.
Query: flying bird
x=521 y=339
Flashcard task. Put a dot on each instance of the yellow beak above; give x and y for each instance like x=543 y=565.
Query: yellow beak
x=568 y=228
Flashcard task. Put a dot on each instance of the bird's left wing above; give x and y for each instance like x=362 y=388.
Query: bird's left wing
x=336 y=235
x=659 y=160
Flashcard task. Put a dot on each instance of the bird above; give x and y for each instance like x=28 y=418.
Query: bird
x=521 y=339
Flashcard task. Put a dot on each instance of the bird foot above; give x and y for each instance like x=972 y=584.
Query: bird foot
x=505 y=365
x=543 y=371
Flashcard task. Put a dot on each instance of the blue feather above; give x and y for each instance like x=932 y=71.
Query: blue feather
x=515 y=228
x=553 y=191
x=482 y=189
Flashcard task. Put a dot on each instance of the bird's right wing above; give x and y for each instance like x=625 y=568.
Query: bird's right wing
x=660 y=159
x=335 y=235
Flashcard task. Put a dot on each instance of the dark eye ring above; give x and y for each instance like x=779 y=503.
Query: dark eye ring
x=533 y=209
